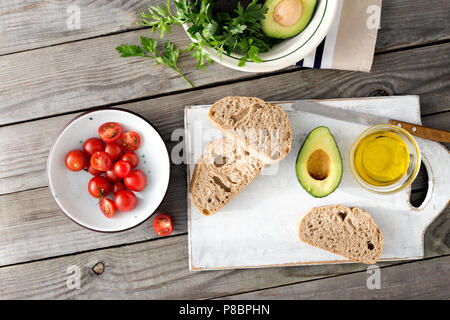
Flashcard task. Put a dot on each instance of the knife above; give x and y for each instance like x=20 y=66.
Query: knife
x=370 y=120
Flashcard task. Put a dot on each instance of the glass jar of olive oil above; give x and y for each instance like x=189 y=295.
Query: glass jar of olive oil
x=385 y=159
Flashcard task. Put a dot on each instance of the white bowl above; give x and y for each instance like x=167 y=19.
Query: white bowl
x=70 y=188
x=289 y=51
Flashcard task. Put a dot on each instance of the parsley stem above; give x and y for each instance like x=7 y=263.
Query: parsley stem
x=183 y=76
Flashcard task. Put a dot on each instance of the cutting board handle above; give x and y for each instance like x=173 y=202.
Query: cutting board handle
x=436 y=159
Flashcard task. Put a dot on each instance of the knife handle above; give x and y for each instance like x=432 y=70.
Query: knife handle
x=423 y=132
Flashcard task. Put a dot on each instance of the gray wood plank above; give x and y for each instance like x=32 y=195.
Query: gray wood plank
x=24 y=147
x=428 y=279
x=152 y=270
x=88 y=73
x=34 y=227
x=406 y=22
x=26 y=25
x=80 y=75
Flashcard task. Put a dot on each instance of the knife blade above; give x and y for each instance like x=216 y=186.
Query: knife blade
x=369 y=119
x=338 y=113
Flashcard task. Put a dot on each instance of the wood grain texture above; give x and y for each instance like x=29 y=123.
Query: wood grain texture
x=34 y=227
x=405 y=22
x=81 y=75
x=394 y=72
x=26 y=25
x=29 y=233
x=153 y=270
x=428 y=279
x=78 y=75
x=88 y=73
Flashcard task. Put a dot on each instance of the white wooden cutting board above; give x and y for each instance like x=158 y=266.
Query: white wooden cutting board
x=258 y=228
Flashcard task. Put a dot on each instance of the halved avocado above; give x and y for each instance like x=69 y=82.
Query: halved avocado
x=319 y=163
x=287 y=18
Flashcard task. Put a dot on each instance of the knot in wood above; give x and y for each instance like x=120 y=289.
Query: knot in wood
x=378 y=93
x=98 y=268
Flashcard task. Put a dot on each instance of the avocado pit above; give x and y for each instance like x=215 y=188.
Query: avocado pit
x=319 y=165
x=288 y=12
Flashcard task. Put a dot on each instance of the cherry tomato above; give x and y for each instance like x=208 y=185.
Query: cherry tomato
x=92 y=145
x=107 y=207
x=93 y=171
x=163 y=225
x=131 y=158
x=117 y=186
x=76 y=160
x=130 y=141
x=114 y=150
x=110 y=131
x=125 y=200
x=111 y=175
x=135 y=180
x=99 y=187
x=101 y=161
x=122 y=168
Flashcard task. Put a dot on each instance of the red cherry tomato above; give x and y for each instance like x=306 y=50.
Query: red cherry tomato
x=111 y=175
x=76 y=160
x=135 y=180
x=125 y=200
x=131 y=158
x=117 y=186
x=92 y=145
x=163 y=225
x=122 y=168
x=107 y=207
x=130 y=141
x=99 y=187
x=101 y=161
x=114 y=150
x=110 y=131
x=93 y=171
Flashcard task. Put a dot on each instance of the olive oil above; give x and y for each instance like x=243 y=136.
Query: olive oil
x=381 y=158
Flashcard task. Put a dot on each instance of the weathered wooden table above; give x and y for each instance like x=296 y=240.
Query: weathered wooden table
x=53 y=67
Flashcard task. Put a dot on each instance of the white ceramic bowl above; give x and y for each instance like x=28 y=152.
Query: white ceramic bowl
x=289 y=51
x=70 y=188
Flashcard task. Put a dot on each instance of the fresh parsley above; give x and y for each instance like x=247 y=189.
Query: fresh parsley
x=149 y=49
x=225 y=32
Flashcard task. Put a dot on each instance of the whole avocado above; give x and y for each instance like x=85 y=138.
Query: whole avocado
x=287 y=18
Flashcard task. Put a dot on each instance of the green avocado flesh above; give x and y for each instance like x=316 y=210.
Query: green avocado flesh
x=319 y=163
x=272 y=28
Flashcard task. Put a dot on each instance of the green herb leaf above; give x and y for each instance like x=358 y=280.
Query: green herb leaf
x=128 y=50
x=149 y=49
x=221 y=31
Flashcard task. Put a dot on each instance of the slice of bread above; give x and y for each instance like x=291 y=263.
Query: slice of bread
x=259 y=127
x=349 y=232
x=220 y=174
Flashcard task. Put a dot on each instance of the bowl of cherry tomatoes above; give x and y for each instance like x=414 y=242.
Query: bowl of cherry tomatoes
x=108 y=170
